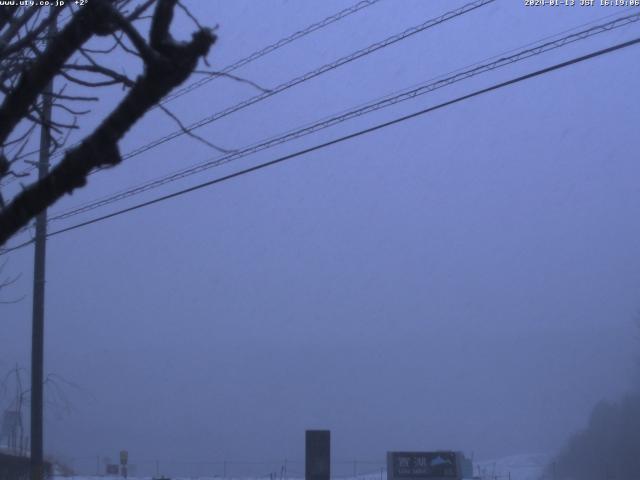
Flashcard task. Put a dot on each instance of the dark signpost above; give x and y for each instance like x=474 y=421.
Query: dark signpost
x=124 y=459
x=422 y=465
x=317 y=455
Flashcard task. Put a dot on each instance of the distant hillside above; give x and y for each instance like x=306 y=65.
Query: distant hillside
x=607 y=447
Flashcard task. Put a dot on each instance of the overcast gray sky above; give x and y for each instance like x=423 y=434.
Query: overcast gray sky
x=464 y=280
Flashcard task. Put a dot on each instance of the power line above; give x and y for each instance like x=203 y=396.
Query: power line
x=342 y=61
x=274 y=46
x=344 y=138
x=459 y=75
x=312 y=74
x=306 y=77
x=249 y=58
x=443 y=81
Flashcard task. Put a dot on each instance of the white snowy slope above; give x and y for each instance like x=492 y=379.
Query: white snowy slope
x=515 y=467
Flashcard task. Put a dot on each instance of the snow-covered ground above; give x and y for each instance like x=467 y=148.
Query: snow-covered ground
x=516 y=467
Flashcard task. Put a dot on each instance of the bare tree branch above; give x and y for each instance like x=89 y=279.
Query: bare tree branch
x=6 y=282
x=235 y=78
x=188 y=132
x=107 y=72
x=31 y=36
x=32 y=82
x=167 y=64
x=14 y=28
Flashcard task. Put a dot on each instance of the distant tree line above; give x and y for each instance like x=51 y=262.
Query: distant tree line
x=609 y=447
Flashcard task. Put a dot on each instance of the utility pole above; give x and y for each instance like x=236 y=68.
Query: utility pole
x=39 y=262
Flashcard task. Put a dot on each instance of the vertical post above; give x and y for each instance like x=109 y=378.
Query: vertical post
x=317 y=455
x=39 y=263
x=355 y=468
x=224 y=469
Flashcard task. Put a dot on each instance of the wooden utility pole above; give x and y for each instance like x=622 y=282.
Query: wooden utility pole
x=39 y=263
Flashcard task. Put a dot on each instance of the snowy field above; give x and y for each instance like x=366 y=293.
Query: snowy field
x=517 y=467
